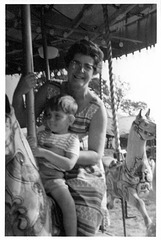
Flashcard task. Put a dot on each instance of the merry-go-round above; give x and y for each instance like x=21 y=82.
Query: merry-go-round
x=37 y=38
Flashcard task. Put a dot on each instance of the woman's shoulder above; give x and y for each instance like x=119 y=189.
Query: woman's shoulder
x=97 y=106
x=94 y=104
x=95 y=99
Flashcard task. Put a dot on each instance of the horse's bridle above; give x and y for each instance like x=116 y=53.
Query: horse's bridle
x=139 y=130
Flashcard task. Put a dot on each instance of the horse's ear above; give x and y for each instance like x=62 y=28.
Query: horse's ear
x=148 y=113
x=139 y=115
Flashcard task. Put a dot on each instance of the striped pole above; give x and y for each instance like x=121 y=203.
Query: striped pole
x=101 y=87
x=113 y=98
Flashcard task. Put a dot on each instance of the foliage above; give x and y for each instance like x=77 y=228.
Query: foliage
x=130 y=107
x=121 y=89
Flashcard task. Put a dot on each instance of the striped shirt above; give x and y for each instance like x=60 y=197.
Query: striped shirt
x=58 y=143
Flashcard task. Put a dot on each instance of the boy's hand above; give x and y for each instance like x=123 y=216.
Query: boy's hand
x=42 y=136
x=34 y=148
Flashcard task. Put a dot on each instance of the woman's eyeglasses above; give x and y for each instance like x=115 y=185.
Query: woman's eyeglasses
x=78 y=65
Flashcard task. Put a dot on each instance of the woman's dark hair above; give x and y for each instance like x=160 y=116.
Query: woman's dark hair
x=88 y=48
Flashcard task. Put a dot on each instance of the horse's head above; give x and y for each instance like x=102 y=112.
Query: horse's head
x=145 y=126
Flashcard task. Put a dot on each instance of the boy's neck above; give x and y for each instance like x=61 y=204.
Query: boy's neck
x=49 y=130
x=65 y=132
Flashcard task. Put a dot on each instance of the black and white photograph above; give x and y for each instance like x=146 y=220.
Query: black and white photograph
x=81 y=82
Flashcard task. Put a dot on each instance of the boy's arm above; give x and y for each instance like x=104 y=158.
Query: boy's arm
x=63 y=162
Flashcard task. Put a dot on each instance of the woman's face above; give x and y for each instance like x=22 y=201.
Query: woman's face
x=80 y=71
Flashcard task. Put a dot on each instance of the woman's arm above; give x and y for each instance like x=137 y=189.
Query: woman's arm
x=96 y=139
x=25 y=84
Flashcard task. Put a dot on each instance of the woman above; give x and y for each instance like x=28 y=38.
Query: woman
x=86 y=179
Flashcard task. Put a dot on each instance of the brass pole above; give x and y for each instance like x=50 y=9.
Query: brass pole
x=45 y=52
x=28 y=67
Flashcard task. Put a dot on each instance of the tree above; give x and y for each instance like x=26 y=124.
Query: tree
x=131 y=107
x=121 y=89
x=126 y=105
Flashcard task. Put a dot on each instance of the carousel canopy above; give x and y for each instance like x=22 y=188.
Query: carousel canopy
x=132 y=27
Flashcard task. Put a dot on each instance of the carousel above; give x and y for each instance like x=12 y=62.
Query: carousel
x=37 y=39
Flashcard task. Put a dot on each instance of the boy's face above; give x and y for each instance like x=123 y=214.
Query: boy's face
x=57 y=121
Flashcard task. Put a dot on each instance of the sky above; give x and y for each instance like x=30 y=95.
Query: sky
x=140 y=70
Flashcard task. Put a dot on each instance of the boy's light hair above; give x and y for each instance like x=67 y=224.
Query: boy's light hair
x=66 y=103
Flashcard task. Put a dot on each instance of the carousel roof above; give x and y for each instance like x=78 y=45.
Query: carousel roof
x=132 y=27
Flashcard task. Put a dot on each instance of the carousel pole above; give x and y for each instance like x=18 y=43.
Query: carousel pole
x=28 y=67
x=113 y=98
x=45 y=52
x=101 y=86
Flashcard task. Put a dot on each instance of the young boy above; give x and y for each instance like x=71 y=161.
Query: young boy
x=58 y=151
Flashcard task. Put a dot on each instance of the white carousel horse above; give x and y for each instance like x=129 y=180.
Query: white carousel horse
x=27 y=208
x=132 y=179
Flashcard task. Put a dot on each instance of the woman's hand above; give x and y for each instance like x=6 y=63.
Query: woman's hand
x=26 y=83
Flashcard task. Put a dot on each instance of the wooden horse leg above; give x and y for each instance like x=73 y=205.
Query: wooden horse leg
x=140 y=205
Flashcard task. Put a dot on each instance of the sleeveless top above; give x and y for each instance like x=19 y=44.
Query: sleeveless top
x=83 y=119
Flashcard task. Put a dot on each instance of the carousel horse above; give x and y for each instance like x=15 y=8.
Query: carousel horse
x=28 y=210
x=132 y=178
